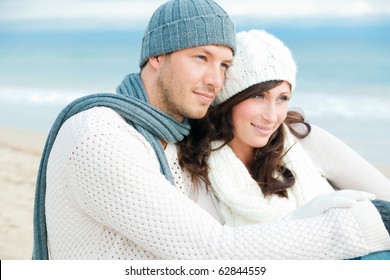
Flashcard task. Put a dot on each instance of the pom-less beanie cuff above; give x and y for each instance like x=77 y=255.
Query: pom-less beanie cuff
x=182 y=24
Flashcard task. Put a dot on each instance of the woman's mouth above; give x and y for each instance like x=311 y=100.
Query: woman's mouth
x=265 y=130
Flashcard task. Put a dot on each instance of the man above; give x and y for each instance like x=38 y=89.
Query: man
x=105 y=188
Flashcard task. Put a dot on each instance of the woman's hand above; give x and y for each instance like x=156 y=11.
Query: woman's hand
x=326 y=201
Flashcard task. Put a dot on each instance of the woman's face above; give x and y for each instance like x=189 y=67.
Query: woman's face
x=257 y=118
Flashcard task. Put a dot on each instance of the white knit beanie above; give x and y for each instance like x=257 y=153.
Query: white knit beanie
x=260 y=57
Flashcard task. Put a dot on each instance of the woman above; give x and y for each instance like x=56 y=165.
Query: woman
x=265 y=163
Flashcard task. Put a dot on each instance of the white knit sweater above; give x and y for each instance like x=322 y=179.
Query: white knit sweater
x=106 y=199
x=241 y=200
x=239 y=196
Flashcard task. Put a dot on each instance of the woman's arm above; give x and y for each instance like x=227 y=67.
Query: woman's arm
x=343 y=167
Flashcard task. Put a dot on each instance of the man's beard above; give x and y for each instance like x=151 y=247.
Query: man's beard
x=167 y=96
x=169 y=91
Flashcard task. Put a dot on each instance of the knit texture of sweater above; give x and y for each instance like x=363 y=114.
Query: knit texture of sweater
x=107 y=199
x=240 y=198
x=131 y=103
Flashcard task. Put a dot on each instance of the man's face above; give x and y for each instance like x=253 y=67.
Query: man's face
x=189 y=80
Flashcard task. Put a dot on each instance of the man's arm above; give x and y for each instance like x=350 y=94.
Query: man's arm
x=116 y=180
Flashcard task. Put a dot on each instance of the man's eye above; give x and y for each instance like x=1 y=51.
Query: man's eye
x=225 y=66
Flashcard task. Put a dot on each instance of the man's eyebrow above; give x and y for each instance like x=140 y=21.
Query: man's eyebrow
x=207 y=52
x=227 y=61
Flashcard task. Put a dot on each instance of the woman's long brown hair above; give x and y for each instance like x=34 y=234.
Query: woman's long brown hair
x=267 y=168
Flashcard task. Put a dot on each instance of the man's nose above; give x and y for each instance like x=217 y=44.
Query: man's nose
x=215 y=77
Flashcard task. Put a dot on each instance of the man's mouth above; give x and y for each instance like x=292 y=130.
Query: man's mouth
x=205 y=95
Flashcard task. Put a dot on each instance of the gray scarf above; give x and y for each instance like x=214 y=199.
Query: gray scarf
x=132 y=104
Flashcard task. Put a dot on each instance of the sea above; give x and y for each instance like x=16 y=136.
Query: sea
x=343 y=82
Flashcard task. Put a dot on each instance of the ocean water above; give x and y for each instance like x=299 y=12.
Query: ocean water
x=343 y=82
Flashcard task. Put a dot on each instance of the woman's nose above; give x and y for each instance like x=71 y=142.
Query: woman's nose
x=269 y=112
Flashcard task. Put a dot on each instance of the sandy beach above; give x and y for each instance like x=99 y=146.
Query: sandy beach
x=20 y=152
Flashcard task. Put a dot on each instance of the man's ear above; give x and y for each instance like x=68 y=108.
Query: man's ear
x=155 y=61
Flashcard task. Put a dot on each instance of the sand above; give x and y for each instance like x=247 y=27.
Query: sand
x=20 y=152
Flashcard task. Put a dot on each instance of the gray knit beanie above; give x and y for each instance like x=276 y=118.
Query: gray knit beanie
x=260 y=57
x=182 y=24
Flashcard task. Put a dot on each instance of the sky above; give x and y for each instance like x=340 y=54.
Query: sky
x=114 y=13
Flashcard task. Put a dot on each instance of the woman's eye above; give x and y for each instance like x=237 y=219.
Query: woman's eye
x=285 y=98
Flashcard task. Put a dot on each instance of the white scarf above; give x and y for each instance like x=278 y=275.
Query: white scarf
x=240 y=198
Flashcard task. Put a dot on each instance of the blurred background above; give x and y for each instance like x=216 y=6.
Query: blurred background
x=53 y=51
